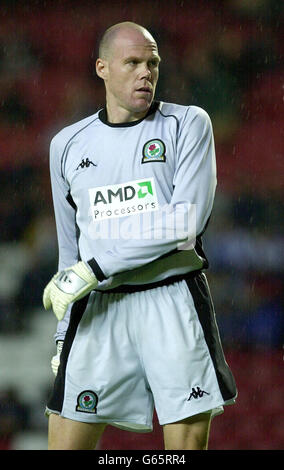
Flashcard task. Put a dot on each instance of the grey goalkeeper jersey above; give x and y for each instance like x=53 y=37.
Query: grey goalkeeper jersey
x=133 y=199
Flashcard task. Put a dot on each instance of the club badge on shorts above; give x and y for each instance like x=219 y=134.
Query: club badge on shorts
x=87 y=402
x=154 y=151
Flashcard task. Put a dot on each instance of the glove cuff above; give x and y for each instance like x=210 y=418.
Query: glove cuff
x=84 y=271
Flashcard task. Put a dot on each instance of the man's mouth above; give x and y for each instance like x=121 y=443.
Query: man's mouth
x=144 y=89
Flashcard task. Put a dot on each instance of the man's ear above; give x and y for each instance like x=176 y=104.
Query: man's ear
x=102 y=68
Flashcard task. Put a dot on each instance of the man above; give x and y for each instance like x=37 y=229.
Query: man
x=133 y=188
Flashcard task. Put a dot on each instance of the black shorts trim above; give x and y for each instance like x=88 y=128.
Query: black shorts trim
x=203 y=303
x=55 y=402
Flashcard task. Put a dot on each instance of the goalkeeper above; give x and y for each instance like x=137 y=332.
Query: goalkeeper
x=133 y=188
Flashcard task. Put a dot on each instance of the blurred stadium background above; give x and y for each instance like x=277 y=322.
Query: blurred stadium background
x=225 y=56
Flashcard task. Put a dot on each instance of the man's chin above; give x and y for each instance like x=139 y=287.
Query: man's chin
x=142 y=106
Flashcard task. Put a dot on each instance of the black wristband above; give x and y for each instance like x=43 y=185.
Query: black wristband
x=96 y=269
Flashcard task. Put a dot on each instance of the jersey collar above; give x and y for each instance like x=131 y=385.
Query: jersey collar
x=103 y=117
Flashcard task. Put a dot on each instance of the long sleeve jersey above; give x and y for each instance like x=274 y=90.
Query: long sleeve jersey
x=133 y=199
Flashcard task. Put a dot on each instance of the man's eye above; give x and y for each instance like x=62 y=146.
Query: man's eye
x=154 y=63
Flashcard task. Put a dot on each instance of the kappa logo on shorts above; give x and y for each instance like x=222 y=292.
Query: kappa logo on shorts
x=87 y=402
x=197 y=393
x=154 y=151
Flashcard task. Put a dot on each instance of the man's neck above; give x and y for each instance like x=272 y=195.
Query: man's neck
x=116 y=115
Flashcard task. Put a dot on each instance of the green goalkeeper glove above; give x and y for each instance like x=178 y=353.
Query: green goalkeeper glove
x=68 y=286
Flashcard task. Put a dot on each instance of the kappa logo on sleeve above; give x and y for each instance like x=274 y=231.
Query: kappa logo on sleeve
x=120 y=200
x=154 y=151
x=85 y=163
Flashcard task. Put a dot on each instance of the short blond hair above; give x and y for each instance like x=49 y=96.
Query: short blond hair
x=110 y=34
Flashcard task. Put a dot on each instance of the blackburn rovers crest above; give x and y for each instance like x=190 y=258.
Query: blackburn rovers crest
x=154 y=151
x=87 y=402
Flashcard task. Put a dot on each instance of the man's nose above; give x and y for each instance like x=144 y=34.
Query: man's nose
x=146 y=72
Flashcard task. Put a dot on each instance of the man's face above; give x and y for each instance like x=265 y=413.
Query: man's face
x=131 y=74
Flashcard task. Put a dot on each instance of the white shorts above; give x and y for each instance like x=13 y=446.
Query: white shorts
x=126 y=353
